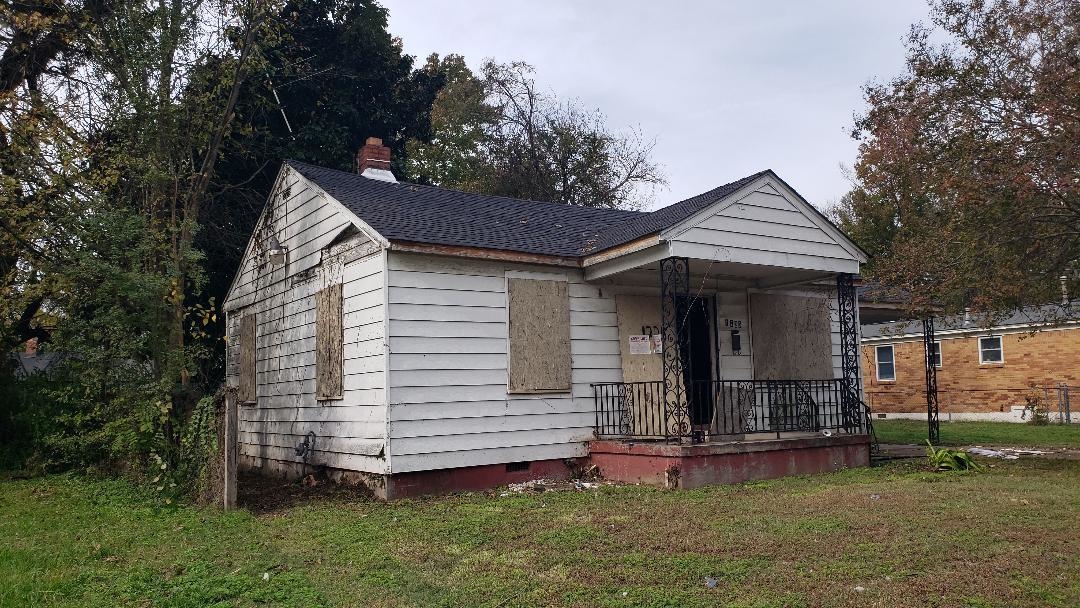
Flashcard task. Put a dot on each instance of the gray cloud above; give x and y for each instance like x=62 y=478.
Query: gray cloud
x=726 y=88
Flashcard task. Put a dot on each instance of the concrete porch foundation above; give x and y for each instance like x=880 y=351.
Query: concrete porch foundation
x=693 y=466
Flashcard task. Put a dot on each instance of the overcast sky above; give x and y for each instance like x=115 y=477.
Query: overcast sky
x=726 y=88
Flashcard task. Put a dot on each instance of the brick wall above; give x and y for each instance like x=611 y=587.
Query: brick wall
x=1044 y=358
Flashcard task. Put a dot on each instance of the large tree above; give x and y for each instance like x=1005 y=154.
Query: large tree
x=497 y=133
x=334 y=77
x=969 y=163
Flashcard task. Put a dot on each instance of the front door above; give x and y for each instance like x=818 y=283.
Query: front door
x=697 y=375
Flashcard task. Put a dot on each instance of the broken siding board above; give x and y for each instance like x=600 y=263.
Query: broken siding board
x=499 y=423
x=480 y=441
x=327 y=444
x=539 y=336
x=270 y=457
x=469 y=458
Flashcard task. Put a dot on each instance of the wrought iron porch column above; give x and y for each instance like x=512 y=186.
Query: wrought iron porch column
x=850 y=401
x=933 y=424
x=674 y=291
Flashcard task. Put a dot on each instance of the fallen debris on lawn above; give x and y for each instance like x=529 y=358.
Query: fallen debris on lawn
x=1006 y=453
x=552 y=485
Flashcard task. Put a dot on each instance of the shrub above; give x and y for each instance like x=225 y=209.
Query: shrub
x=946 y=459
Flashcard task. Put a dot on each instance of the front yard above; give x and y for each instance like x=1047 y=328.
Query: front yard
x=998 y=434
x=895 y=535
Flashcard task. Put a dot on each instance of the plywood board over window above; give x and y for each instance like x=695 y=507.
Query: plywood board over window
x=328 y=343
x=246 y=386
x=539 y=336
x=792 y=337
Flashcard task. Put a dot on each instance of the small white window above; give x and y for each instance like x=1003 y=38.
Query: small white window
x=935 y=354
x=886 y=368
x=990 y=350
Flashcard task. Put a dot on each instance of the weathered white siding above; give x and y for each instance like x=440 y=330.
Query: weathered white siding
x=323 y=248
x=763 y=227
x=448 y=399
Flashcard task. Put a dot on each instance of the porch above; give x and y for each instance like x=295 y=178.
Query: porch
x=739 y=372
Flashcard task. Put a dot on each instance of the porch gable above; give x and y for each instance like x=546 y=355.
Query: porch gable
x=766 y=223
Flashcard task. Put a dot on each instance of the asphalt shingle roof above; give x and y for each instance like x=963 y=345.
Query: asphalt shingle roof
x=428 y=214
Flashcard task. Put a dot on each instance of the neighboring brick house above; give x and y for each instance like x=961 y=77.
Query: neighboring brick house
x=982 y=373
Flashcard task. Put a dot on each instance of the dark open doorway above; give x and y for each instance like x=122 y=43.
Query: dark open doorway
x=697 y=374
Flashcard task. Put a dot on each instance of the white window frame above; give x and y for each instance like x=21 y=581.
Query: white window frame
x=1000 y=349
x=877 y=362
x=938 y=363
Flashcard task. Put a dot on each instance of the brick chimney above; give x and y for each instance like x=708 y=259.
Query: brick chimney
x=373 y=161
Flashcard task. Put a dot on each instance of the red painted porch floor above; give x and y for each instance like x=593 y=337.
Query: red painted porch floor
x=724 y=462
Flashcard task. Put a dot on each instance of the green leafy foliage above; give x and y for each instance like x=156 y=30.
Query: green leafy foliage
x=495 y=132
x=949 y=459
x=966 y=176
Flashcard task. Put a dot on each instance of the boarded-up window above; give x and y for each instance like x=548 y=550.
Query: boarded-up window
x=792 y=337
x=539 y=336
x=328 y=343
x=246 y=387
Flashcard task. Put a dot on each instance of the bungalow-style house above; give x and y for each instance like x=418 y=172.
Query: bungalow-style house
x=983 y=371
x=420 y=340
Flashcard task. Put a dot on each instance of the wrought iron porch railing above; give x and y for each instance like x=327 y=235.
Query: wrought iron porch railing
x=727 y=408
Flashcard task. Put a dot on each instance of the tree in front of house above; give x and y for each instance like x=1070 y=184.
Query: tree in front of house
x=495 y=132
x=969 y=164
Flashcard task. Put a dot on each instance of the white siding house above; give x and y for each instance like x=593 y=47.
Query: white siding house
x=384 y=327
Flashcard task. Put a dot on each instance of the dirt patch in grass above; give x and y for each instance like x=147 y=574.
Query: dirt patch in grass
x=266 y=495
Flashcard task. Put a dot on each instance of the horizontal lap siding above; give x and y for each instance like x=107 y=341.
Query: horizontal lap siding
x=350 y=432
x=449 y=404
x=764 y=228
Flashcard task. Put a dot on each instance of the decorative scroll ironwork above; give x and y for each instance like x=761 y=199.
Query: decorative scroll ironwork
x=849 y=351
x=674 y=293
x=636 y=410
x=933 y=424
x=626 y=411
x=746 y=401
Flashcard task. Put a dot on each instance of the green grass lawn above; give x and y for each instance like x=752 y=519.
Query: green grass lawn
x=981 y=433
x=907 y=537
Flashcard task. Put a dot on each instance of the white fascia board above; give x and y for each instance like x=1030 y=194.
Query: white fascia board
x=626 y=262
